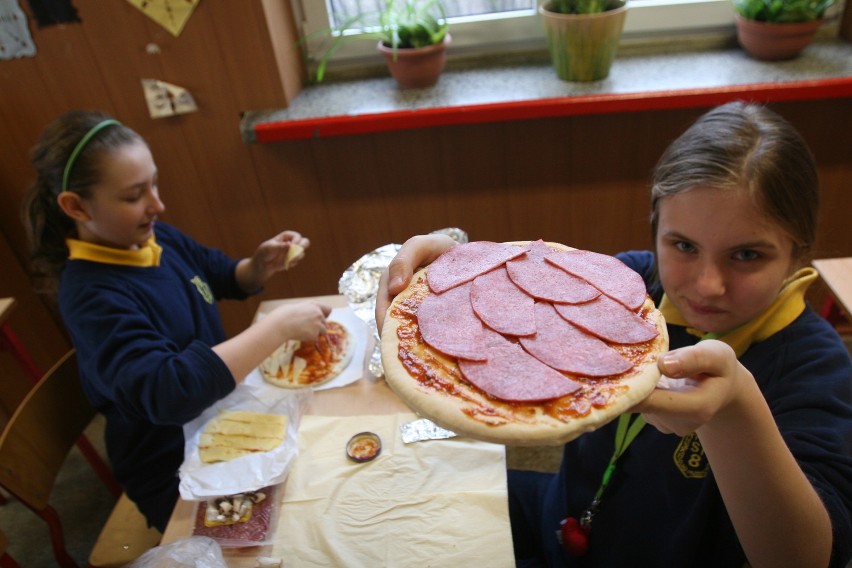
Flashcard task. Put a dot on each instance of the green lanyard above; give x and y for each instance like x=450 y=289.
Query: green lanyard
x=629 y=426
x=573 y=534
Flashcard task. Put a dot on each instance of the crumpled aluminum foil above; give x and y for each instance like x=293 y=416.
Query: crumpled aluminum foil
x=360 y=284
x=423 y=429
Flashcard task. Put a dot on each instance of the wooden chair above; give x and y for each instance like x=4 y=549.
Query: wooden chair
x=10 y=343
x=33 y=447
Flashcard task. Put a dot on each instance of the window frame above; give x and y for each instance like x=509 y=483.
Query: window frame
x=648 y=20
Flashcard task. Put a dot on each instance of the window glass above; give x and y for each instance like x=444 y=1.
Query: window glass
x=501 y=26
x=340 y=10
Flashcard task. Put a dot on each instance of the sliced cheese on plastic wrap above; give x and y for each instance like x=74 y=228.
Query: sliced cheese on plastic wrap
x=232 y=434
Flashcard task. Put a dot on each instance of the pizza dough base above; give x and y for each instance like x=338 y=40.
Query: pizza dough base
x=538 y=428
x=348 y=351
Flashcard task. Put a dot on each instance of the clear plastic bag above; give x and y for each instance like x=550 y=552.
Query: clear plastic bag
x=200 y=481
x=192 y=552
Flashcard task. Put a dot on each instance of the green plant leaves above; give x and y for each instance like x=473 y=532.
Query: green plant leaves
x=584 y=6
x=782 y=11
x=400 y=24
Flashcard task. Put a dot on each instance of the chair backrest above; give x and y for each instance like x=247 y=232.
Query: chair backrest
x=42 y=431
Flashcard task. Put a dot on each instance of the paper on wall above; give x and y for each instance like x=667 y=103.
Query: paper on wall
x=165 y=99
x=15 y=38
x=169 y=14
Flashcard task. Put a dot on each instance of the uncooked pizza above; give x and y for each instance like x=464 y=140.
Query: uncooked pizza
x=304 y=364
x=523 y=343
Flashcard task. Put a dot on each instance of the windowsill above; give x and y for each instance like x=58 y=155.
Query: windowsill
x=637 y=82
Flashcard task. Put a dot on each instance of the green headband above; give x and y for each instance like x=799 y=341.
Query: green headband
x=82 y=144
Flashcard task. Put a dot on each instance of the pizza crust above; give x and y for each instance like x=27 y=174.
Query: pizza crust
x=445 y=397
x=285 y=368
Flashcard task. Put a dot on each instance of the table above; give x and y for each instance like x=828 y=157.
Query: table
x=837 y=274
x=368 y=396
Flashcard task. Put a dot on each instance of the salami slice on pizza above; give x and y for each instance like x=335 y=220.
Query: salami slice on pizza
x=525 y=343
x=298 y=364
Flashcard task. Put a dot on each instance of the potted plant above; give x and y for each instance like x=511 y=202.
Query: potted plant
x=774 y=30
x=583 y=36
x=412 y=35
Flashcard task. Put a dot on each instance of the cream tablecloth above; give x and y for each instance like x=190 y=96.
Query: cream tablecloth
x=430 y=503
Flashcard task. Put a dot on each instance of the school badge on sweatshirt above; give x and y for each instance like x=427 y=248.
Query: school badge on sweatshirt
x=203 y=289
x=690 y=459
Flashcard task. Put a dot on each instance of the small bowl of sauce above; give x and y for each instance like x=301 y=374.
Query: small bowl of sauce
x=363 y=447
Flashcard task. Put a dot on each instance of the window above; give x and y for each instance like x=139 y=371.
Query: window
x=339 y=10
x=499 y=26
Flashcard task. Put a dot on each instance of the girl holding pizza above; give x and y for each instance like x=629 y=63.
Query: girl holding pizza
x=138 y=298
x=748 y=459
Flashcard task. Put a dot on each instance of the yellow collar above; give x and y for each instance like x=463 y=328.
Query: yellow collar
x=788 y=305
x=146 y=255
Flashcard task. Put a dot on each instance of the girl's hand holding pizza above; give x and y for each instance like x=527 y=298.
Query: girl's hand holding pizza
x=416 y=252
x=714 y=378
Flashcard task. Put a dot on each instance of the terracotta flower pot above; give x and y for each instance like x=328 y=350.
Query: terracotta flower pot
x=416 y=67
x=583 y=46
x=775 y=42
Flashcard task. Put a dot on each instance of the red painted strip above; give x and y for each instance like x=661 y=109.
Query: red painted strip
x=555 y=107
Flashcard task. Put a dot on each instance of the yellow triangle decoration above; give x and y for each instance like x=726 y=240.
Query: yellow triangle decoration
x=171 y=14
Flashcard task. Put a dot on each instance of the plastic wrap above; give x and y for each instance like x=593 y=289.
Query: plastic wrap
x=199 y=480
x=192 y=552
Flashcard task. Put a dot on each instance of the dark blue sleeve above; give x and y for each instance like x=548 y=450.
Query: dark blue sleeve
x=127 y=362
x=219 y=269
x=806 y=377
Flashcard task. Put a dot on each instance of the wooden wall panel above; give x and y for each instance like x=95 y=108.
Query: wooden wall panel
x=578 y=180
x=827 y=128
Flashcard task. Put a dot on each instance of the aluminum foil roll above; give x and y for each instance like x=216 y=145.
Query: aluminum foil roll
x=360 y=284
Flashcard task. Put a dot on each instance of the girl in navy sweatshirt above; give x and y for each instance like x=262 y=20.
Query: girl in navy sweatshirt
x=139 y=299
x=748 y=461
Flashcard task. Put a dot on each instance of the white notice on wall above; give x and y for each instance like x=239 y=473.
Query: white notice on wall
x=15 y=38
x=165 y=99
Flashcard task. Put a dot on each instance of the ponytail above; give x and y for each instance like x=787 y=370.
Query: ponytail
x=47 y=228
